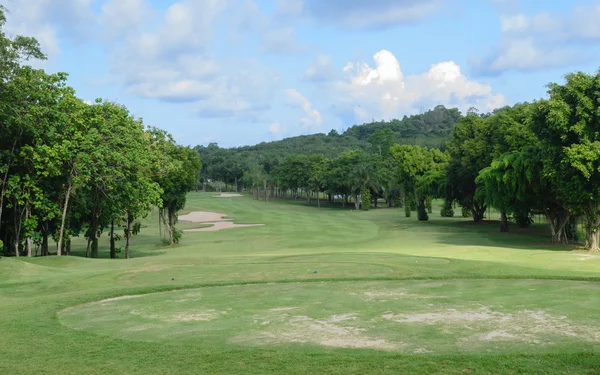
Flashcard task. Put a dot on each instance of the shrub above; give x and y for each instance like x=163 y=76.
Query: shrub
x=447 y=210
x=366 y=199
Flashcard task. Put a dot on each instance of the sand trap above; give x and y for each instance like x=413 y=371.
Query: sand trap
x=221 y=226
x=203 y=217
x=214 y=219
x=228 y=195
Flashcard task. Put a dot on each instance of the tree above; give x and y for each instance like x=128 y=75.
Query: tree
x=470 y=150
x=413 y=163
x=567 y=126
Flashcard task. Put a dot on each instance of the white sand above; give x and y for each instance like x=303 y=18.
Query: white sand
x=203 y=217
x=222 y=225
x=214 y=219
x=228 y=195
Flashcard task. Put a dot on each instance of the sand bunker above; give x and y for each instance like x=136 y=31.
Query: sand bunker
x=214 y=219
x=228 y=195
x=203 y=217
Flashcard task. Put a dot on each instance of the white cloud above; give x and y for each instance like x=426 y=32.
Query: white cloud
x=385 y=92
x=275 y=128
x=281 y=40
x=297 y=100
x=368 y=14
x=48 y=21
x=543 y=40
x=321 y=70
x=121 y=17
x=174 y=62
x=289 y=7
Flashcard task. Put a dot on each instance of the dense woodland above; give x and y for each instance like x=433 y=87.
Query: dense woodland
x=539 y=158
x=69 y=169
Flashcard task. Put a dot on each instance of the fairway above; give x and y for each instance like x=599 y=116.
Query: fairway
x=312 y=291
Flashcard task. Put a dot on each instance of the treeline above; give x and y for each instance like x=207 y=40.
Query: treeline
x=539 y=158
x=227 y=165
x=68 y=168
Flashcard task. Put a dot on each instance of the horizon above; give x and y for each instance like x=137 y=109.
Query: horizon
x=241 y=72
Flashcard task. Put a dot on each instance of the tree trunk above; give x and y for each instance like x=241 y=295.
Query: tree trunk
x=17 y=223
x=113 y=248
x=318 y=200
x=265 y=187
x=421 y=210
x=592 y=225
x=44 y=249
x=167 y=221
x=503 y=222
x=29 y=240
x=128 y=235
x=356 y=202
x=64 y=215
x=87 y=251
x=94 y=247
x=171 y=225
x=478 y=211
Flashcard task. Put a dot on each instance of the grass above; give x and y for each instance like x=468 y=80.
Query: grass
x=391 y=295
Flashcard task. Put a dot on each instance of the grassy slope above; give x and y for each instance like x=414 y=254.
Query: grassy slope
x=342 y=245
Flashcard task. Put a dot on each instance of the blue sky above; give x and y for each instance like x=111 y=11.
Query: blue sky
x=239 y=72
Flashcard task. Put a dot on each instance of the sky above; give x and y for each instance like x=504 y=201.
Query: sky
x=240 y=72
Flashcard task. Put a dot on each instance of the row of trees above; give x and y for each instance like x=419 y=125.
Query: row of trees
x=69 y=168
x=539 y=158
x=227 y=166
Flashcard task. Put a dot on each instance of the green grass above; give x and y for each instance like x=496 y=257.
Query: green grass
x=391 y=295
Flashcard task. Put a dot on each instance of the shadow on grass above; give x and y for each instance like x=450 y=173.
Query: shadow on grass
x=105 y=253
x=460 y=233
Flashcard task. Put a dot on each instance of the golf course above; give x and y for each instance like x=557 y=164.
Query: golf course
x=311 y=291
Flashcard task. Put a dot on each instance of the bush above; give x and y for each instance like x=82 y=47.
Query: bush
x=523 y=219
x=366 y=199
x=466 y=212
x=428 y=205
x=447 y=210
x=413 y=205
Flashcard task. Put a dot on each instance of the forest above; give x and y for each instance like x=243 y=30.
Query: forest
x=537 y=158
x=70 y=168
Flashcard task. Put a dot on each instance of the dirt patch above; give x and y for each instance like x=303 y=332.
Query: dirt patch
x=526 y=325
x=326 y=332
x=221 y=226
x=228 y=195
x=396 y=294
x=196 y=317
x=120 y=298
x=448 y=316
x=585 y=256
x=283 y=308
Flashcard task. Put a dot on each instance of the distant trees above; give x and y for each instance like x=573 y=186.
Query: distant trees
x=68 y=168
x=540 y=158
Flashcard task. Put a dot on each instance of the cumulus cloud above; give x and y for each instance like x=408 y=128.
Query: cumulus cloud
x=543 y=40
x=363 y=14
x=48 y=21
x=174 y=62
x=383 y=91
x=121 y=17
x=312 y=118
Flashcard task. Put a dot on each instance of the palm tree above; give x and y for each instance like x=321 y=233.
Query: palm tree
x=364 y=177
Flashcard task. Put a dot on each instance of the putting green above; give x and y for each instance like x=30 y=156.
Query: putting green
x=442 y=316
